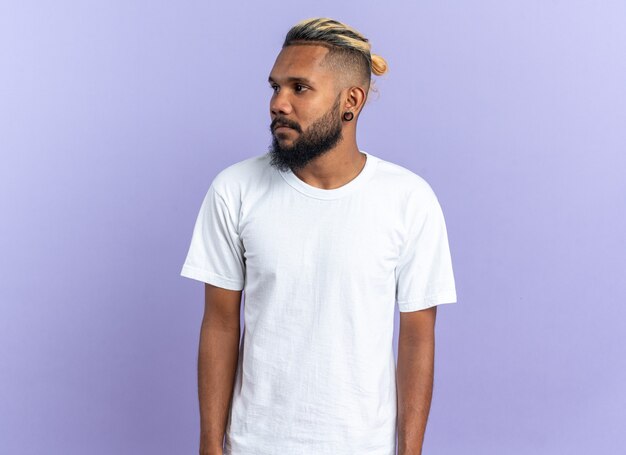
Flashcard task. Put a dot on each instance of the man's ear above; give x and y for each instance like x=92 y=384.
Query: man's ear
x=355 y=99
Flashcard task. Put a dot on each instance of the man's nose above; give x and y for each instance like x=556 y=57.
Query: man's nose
x=280 y=105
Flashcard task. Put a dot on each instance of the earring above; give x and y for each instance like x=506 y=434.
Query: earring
x=347 y=116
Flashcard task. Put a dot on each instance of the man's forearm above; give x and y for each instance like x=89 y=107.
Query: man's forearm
x=217 y=364
x=415 y=371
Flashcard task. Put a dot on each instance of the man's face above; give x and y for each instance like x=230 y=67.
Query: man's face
x=304 y=99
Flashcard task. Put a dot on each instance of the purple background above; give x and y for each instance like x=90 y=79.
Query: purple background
x=115 y=116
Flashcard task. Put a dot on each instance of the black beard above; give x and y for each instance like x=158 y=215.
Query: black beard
x=318 y=139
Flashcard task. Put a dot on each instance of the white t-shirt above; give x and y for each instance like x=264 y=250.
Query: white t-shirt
x=321 y=272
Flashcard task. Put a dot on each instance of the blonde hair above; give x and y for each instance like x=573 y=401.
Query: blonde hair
x=349 y=51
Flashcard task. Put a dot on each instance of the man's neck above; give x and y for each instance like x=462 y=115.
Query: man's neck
x=334 y=168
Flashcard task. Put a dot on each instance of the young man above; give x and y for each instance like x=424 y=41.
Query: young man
x=324 y=239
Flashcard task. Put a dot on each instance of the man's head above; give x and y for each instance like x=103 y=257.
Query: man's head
x=320 y=81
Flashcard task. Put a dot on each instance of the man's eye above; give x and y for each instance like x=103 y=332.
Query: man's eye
x=298 y=87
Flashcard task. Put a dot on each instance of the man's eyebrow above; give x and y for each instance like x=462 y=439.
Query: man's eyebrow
x=293 y=79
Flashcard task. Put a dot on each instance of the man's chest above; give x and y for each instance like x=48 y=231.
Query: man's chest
x=355 y=239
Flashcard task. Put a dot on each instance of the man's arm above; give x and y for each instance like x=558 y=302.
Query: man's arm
x=218 y=354
x=414 y=375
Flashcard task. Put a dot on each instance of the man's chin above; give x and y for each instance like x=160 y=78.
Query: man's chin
x=283 y=139
x=282 y=146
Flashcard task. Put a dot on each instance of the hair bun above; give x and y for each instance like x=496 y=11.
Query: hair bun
x=379 y=65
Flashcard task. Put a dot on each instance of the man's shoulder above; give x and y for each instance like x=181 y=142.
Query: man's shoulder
x=403 y=179
x=241 y=174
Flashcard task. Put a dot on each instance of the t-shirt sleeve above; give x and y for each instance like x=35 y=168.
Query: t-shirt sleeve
x=424 y=276
x=215 y=254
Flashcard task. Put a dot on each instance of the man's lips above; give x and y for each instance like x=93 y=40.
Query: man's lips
x=282 y=127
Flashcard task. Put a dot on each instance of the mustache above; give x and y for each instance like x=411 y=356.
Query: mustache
x=283 y=122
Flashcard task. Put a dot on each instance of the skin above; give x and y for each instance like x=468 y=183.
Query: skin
x=301 y=103
x=218 y=354
x=414 y=377
x=312 y=107
x=317 y=139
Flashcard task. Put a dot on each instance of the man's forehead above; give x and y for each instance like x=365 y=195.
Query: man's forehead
x=300 y=63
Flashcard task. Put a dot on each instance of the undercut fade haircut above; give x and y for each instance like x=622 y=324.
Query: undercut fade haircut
x=349 y=53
